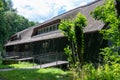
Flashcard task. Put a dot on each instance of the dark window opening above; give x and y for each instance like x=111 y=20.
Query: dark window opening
x=48 y=29
x=15 y=37
x=45 y=28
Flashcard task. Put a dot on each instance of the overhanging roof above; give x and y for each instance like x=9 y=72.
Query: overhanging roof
x=93 y=25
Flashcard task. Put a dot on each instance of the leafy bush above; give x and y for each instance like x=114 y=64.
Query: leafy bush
x=106 y=72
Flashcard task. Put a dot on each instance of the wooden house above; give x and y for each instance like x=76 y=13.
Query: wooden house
x=46 y=39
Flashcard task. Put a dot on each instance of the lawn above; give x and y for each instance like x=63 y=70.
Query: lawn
x=19 y=65
x=36 y=74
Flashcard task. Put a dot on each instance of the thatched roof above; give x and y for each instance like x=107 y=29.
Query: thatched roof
x=93 y=25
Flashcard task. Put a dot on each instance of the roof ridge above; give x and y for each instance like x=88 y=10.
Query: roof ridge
x=74 y=9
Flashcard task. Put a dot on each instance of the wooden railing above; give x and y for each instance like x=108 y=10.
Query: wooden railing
x=50 y=57
x=39 y=58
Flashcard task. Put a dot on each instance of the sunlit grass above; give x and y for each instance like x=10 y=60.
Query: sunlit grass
x=23 y=65
x=36 y=74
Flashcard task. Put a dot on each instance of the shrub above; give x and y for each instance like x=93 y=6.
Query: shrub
x=104 y=72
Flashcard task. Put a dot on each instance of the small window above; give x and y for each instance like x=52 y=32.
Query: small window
x=50 y=28
x=45 y=44
x=42 y=31
x=56 y=27
x=53 y=27
x=38 y=32
x=15 y=37
x=47 y=29
x=26 y=47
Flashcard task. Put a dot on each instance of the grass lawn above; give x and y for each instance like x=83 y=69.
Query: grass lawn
x=36 y=74
x=19 y=65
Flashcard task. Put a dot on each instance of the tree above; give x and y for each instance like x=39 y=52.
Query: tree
x=10 y=22
x=3 y=27
x=73 y=29
x=109 y=14
x=80 y=23
x=16 y=22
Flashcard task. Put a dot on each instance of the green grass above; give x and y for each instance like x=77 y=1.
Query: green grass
x=4 y=66
x=19 y=65
x=36 y=74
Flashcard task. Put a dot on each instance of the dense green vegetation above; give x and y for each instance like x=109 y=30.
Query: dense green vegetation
x=10 y=22
x=110 y=69
x=73 y=29
x=36 y=74
x=107 y=14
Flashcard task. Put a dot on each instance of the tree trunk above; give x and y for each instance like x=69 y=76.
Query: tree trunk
x=79 y=44
x=73 y=51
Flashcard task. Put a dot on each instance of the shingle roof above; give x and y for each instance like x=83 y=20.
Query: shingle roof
x=93 y=25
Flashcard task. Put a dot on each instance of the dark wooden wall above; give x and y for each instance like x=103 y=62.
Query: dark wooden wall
x=52 y=45
x=93 y=43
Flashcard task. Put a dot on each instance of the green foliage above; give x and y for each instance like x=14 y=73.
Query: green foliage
x=105 y=72
x=16 y=22
x=67 y=27
x=69 y=54
x=110 y=56
x=73 y=29
x=3 y=27
x=10 y=22
x=89 y=72
x=107 y=14
x=80 y=23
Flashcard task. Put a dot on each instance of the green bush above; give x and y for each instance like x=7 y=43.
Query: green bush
x=89 y=72
x=101 y=73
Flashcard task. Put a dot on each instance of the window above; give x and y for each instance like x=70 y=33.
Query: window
x=26 y=47
x=45 y=45
x=38 y=32
x=15 y=37
x=56 y=27
x=51 y=26
x=43 y=30
x=48 y=29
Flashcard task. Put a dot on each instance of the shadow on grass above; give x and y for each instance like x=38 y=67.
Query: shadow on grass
x=18 y=65
x=5 y=66
x=36 y=74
